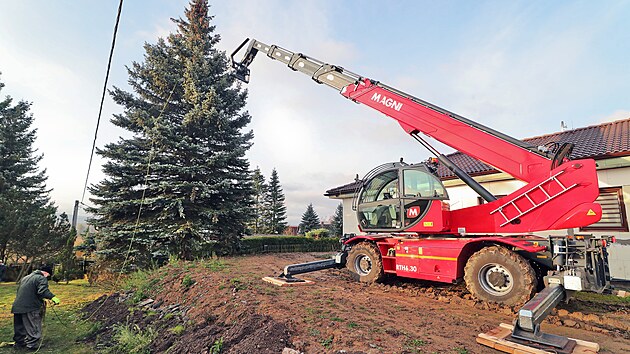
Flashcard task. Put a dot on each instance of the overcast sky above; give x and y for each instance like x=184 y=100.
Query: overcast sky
x=518 y=67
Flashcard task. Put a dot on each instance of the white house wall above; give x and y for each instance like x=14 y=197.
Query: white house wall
x=350 y=221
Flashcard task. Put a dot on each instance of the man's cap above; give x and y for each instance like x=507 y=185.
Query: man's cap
x=46 y=268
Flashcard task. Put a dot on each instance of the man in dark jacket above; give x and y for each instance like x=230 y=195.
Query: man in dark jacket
x=28 y=308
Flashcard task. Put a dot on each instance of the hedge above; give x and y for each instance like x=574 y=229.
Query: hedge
x=273 y=244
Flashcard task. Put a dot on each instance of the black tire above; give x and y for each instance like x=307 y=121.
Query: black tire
x=496 y=274
x=364 y=259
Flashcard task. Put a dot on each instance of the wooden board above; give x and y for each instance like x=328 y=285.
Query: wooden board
x=282 y=282
x=495 y=338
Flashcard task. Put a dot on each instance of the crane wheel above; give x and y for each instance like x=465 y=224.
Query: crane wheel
x=364 y=259
x=496 y=274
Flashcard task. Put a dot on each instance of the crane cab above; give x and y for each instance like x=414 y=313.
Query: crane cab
x=397 y=197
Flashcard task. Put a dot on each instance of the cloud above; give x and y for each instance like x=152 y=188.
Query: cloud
x=616 y=115
x=518 y=68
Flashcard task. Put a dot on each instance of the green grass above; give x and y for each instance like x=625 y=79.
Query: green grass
x=217 y=346
x=601 y=298
x=177 y=330
x=215 y=265
x=62 y=325
x=141 y=284
x=131 y=339
x=187 y=282
x=327 y=342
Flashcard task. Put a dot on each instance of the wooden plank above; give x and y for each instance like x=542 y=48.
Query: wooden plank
x=495 y=338
x=282 y=282
x=583 y=343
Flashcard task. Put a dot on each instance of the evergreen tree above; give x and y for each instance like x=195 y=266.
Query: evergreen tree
x=88 y=246
x=257 y=225
x=184 y=167
x=67 y=256
x=276 y=211
x=26 y=212
x=310 y=220
x=337 y=221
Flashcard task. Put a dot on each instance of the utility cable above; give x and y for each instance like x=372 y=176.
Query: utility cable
x=144 y=190
x=135 y=228
x=100 y=110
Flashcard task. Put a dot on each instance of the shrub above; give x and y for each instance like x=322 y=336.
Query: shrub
x=141 y=284
x=264 y=244
x=187 y=282
x=217 y=346
x=214 y=265
x=177 y=330
x=318 y=233
x=132 y=339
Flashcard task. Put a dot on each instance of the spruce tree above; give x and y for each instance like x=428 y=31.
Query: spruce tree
x=257 y=224
x=184 y=168
x=26 y=212
x=276 y=211
x=337 y=221
x=310 y=220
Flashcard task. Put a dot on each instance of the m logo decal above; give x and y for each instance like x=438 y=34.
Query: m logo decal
x=413 y=212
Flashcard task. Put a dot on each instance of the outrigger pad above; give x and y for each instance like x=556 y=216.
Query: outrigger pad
x=499 y=339
x=281 y=281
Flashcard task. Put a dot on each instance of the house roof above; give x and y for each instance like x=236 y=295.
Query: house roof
x=599 y=141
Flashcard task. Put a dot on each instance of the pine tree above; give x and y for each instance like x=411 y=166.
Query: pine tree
x=337 y=221
x=257 y=225
x=88 y=246
x=26 y=212
x=310 y=220
x=276 y=211
x=184 y=167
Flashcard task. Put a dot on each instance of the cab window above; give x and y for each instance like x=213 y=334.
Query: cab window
x=381 y=187
x=420 y=184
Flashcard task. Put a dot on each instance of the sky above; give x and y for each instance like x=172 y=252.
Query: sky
x=520 y=67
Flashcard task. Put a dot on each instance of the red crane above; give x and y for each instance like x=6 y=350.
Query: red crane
x=410 y=231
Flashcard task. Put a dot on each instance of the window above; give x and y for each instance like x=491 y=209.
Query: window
x=613 y=211
x=383 y=186
x=420 y=184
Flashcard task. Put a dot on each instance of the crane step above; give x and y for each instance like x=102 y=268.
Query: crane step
x=499 y=339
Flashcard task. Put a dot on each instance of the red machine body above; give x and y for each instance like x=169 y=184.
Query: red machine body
x=420 y=236
x=439 y=259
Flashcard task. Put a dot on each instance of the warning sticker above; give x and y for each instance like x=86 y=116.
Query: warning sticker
x=591 y=212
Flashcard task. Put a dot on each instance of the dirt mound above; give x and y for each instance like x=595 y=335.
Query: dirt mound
x=247 y=333
x=253 y=333
x=204 y=307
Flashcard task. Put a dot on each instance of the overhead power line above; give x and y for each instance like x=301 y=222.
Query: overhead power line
x=100 y=110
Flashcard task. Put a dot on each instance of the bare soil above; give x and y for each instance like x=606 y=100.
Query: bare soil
x=335 y=315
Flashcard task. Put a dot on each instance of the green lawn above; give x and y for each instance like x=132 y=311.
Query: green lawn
x=62 y=327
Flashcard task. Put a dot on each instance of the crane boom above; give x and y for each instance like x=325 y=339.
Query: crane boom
x=558 y=194
x=506 y=153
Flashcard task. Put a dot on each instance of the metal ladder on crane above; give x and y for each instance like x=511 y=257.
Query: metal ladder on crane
x=534 y=204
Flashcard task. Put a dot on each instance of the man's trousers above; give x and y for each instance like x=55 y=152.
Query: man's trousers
x=28 y=329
